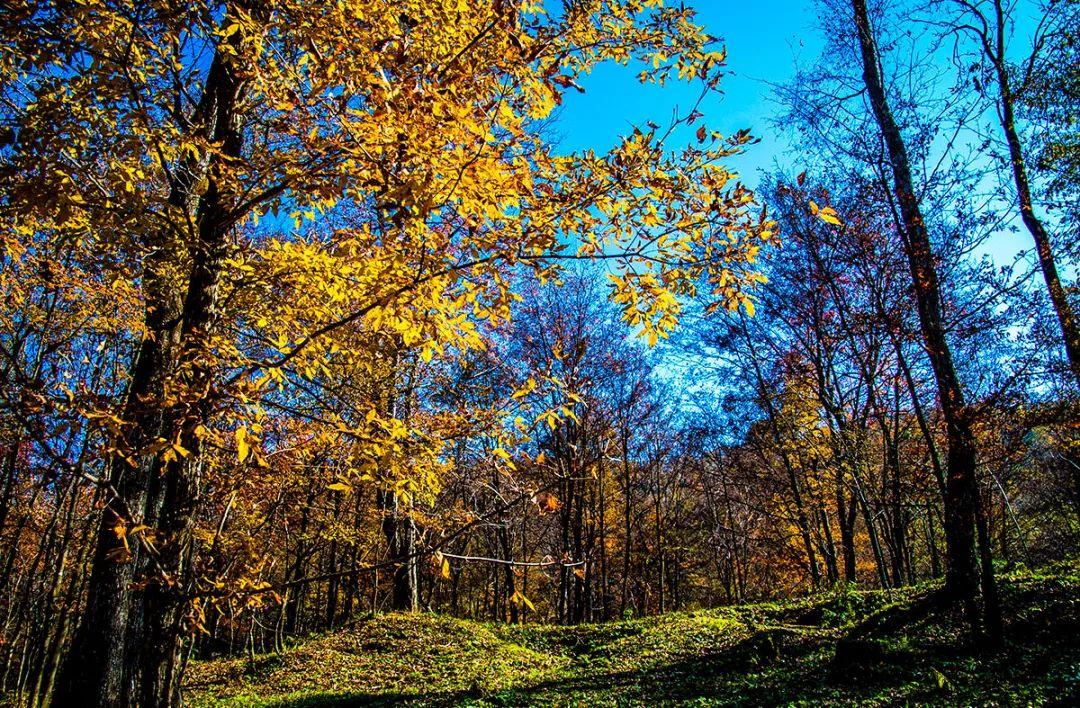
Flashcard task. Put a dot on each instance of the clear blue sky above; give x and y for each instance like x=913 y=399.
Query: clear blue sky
x=765 y=40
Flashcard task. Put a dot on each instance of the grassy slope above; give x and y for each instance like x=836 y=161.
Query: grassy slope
x=867 y=648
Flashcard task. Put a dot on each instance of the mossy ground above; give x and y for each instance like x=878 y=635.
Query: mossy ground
x=866 y=648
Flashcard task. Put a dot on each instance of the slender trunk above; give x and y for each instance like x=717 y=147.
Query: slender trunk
x=1070 y=329
x=991 y=604
x=605 y=594
x=578 y=578
x=871 y=530
x=961 y=497
x=897 y=520
x=330 y=617
x=662 y=560
x=627 y=531
x=931 y=541
x=563 y=602
x=507 y=554
x=829 y=550
x=845 y=514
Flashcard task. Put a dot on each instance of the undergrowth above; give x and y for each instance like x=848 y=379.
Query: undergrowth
x=845 y=647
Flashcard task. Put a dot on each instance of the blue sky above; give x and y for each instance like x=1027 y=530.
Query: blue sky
x=765 y=41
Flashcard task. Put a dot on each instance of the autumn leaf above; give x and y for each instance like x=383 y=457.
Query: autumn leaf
x=242 y=447
x=829 y=216
x=444 y=568
x=519 y=599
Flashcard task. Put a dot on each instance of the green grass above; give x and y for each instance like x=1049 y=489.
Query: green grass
x=866 y=648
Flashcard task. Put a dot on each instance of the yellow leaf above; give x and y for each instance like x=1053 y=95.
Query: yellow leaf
x=518 y=599
x=829 y=216
x=242 y=447
x=941 y=680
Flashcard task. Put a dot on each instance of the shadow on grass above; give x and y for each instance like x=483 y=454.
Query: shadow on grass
x=910 y=653
x=703 y=677
x=367 y=699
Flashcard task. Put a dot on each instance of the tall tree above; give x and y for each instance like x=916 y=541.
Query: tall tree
x=989 y=24
x=172 y=138
x=961 y=488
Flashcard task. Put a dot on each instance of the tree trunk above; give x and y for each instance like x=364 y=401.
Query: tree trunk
x=127 y=649
x=1070 y=330
x=101 y=668
x=400 y=531
x=962 y=580
x=845 y=514
x=627 y=530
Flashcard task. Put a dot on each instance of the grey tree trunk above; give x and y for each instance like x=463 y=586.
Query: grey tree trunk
x=400 y=532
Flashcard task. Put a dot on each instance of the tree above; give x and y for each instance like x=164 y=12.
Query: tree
x=1048 y=104
x=175 y=139
x=961 y=490
x=988 y=24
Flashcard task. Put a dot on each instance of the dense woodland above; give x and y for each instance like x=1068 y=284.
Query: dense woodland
x=306 y=315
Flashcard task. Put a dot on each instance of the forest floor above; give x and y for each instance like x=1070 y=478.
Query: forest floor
x=869 y=648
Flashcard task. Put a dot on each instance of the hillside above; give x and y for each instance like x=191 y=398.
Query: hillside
x=871 y=648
